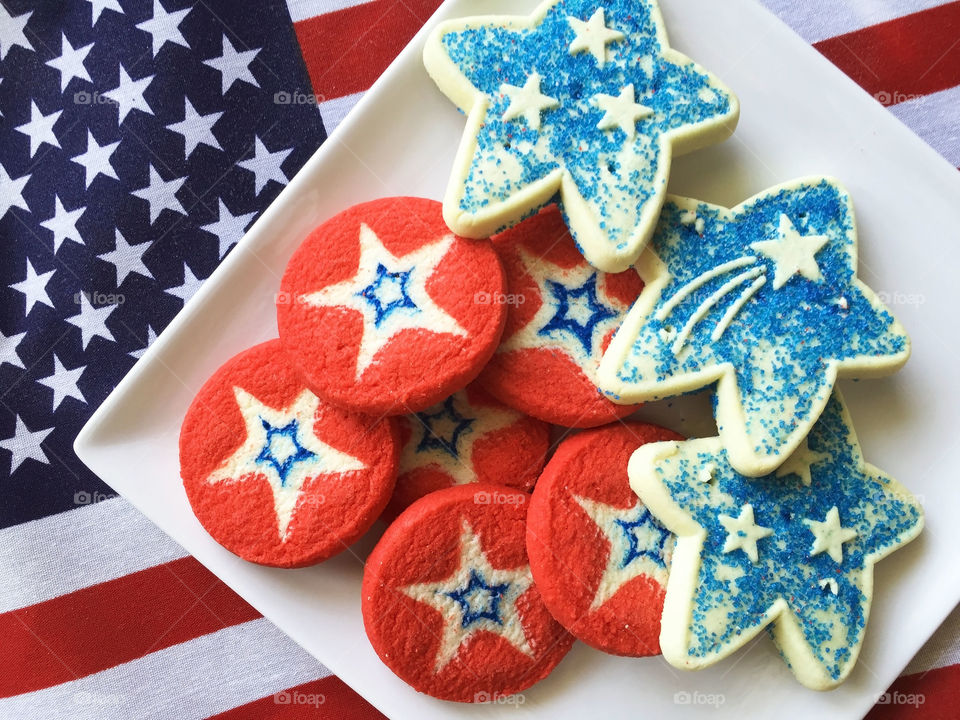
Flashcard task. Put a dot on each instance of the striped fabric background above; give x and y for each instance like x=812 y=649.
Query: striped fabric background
x=101 y=615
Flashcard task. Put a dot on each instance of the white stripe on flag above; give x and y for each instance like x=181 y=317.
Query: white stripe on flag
x=72 y=550
x=333 y=111
x=942 y=649
x=195 y=679
x=306 y=9
x=816 y=20
x=934 y=118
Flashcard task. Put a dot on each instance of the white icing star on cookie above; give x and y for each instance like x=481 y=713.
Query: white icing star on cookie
x=792 y=253
x=743 y=533
x=829 y=535
x=593 y=36
x=527 y=101
x=621 y=111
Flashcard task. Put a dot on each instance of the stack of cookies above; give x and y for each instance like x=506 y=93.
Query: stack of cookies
x=470 y=372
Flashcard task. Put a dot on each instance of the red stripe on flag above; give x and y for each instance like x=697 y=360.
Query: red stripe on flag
x=104 y=625
x=346 y=50
x=932 y=695
x=329 y=698
x=903 y=58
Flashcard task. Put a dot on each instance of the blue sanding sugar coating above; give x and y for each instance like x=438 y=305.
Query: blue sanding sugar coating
x=616 y=186
x=733 y=593
x=781 y=341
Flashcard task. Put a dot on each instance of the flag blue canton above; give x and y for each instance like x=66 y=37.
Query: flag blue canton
x=138 y=140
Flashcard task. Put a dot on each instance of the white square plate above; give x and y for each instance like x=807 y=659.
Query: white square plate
x=800 y=116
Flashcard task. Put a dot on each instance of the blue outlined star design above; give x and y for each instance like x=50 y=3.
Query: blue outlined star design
x=476 y=597
x=581 y=98
x=764 y=299
x=388 y=292
x=282 y=449
x=638 y=533
x=443 y=428
x=478 y=600
x=639 y=545
x=725 y=586
x=578 y=311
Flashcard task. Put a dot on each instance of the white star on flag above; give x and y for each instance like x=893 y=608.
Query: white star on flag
x=233 y=66
x=243 y=465
x=228 y=228
x=63 y=382
x=11 y=31
x=8 y=349
x=11 y=192
x=33 y=287
x=25 y=445
x=792 y=253
x=127 y=258
x=128 y=95
x=196 y=128
x=95 y=160
x=473 y=563
x=70 y=63
x=161 y=194
x=164 y=27
x=40 y=128
x=265 y=165
x=63 y=224
x=98 y=6
x=151 y=337
x=418 y=265
x=92 y=321
x=615 y=573
x=186 y=290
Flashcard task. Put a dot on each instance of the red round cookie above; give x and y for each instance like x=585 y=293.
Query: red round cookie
x=387 y=312
x=598 y=556
x=448 y=601
x=561 y=316
x=274 y=474
x=469 y=437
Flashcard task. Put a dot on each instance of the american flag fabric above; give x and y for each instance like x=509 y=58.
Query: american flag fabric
x=138 y=140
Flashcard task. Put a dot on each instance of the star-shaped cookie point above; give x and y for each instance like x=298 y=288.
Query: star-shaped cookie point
x=476 y=598
x=527 y=101
x=792 y=253
x=743 y=533
x=638 y=546
x=829 y=535
x=621 y=111
x=547 y=97
x=725 y=303
x=390 y=293
x=811 y=578
x=593 y=36
x=282 y=446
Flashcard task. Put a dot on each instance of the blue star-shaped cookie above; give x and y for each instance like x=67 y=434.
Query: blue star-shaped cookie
x=763 y=298
x=580 y=97
x=752 y=552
